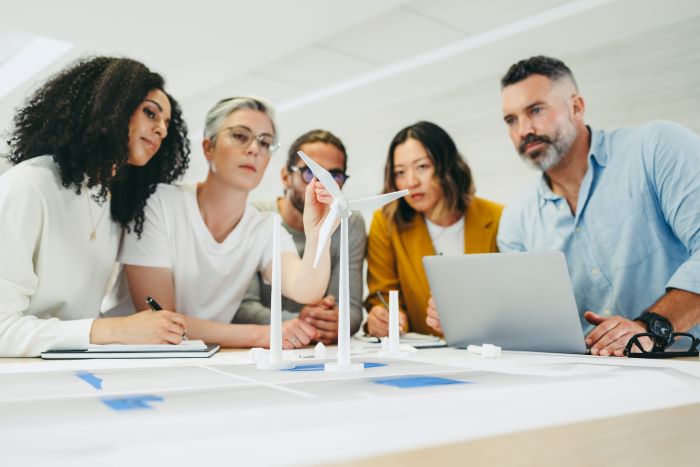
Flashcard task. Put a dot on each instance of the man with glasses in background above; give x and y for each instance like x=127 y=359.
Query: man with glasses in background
x=623 y=206
x=328 y=151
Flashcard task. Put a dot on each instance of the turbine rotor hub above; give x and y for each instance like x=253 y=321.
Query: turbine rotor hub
x=341 y=204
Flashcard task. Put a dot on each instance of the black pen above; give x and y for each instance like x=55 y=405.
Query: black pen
x=153 y=304
x=155 y=307
x=381 y=297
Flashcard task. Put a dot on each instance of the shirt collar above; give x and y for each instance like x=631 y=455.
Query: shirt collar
x=544 y=192
x=597 y=149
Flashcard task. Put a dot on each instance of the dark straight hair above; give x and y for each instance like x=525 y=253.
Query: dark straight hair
x=552 y=68
x=452 y=174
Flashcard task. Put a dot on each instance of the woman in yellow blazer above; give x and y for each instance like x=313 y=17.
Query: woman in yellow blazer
x=440 y=215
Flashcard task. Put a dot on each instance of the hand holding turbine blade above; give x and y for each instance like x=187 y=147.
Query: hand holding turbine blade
x=329 y=184
x=322 y=175
x=375 y=202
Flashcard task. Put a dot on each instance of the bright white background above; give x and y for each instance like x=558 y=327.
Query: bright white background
x=367 y=68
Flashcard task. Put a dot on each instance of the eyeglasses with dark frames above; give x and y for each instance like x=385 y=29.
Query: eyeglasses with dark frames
x=680 y=344
x=338 y=175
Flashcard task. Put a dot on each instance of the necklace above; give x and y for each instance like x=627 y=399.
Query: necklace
x=449 y=239
x=93 y=225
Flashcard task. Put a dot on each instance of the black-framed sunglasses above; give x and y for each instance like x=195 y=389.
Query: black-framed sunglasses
x=338 y=175
x=680 y=344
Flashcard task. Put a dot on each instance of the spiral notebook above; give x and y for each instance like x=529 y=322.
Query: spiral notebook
x=186 y=349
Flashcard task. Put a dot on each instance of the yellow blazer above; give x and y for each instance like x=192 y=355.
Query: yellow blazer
x=394 y=258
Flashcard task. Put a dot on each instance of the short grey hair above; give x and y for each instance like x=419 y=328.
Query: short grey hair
x=225 y=107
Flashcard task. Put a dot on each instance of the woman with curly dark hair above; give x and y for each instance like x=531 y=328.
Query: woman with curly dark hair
x=90 y=146
x=440 y=215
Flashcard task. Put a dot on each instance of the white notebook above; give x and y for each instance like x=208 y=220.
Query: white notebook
x=413 y=339
x=188 y=348
x=194 y=344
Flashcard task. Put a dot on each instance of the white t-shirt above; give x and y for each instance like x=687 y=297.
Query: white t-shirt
x=448 y=241
x=52 y=276
x=210 y=278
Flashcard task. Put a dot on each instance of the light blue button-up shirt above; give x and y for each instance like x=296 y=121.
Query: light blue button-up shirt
x=636 y=230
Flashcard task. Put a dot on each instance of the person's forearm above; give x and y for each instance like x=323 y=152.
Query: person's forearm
x=309 y=284
x=228 y=335
x=257 y=313
x=680 y=307
x=252 y=312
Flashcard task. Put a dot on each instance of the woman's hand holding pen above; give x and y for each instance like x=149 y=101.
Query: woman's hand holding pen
x=378 y=321
x=146 y=327
x=150 y=301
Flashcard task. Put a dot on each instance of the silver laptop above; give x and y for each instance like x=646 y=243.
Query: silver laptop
x=518 y=301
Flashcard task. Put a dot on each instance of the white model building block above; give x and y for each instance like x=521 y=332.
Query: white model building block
x=486 y=350
x=320 y=350
x=392 y=348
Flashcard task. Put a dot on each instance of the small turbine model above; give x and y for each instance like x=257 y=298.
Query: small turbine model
x=392 y=346
x=342 y=208
x=275 y=361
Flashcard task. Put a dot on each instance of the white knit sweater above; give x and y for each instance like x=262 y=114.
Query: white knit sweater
x=52 y=276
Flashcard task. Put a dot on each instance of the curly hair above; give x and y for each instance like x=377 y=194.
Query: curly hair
x=81 y=118
x=452 y=174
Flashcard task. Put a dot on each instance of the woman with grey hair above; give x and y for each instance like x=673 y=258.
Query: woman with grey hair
x=202 y=244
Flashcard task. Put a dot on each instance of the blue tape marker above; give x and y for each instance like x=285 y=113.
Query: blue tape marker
x=91 y=379
x=319 y=366
x=373 y=365
x=131 y=403
x=416 y=381
x=310 y=367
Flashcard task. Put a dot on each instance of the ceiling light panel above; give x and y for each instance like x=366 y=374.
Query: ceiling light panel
x=393 y=36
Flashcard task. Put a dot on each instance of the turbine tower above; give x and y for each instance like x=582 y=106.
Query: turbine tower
x=342 y=208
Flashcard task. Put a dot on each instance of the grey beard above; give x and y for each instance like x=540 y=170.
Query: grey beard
x=544 y=160
x=555 y=151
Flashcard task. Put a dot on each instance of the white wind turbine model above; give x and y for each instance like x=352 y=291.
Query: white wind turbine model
x=342 y=208
x=275 y=360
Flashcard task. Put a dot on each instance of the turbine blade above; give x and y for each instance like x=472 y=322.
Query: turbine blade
x=326 y=232
x=375 y=202
x=323 y=175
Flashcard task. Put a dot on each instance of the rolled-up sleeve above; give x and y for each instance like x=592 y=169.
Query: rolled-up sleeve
x=672 y=158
